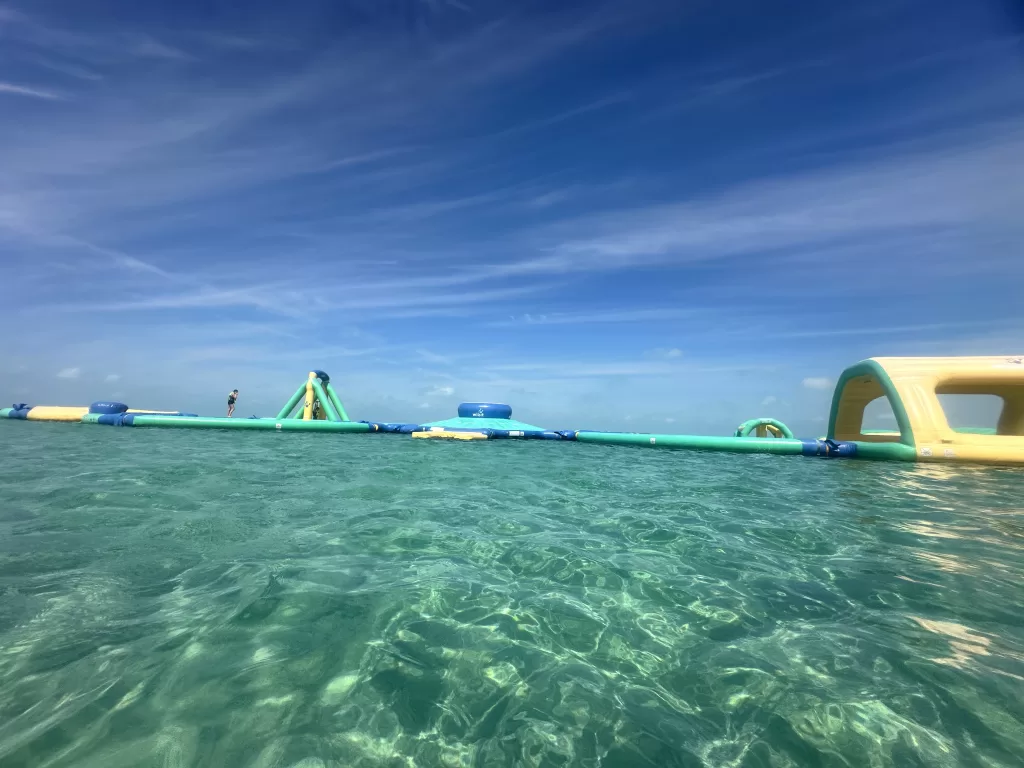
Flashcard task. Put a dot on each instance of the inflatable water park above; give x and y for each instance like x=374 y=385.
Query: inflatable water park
x=911 y=385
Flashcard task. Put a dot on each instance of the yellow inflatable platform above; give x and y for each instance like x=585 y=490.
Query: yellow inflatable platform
x=57 y=413
x=913 y=386
x=438 y=433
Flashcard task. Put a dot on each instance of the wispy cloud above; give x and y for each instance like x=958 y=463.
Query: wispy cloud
x=811 y=210
x=363 y=158
x=570 y=369
x=149 y=47
x=550 y=198
x=666 y=353
x=433 y=357
x=69 y=373
x=561 y=117
x=916 y=328
x=584 y=318
x=240 y=42
x=99 y=45
x=260 y=297
x=956 y=185
x=24 y=90
x=111 y=378
x=70 y=70
x=201 y=138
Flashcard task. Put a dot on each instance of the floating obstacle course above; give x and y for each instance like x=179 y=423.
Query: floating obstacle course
x=912 y=387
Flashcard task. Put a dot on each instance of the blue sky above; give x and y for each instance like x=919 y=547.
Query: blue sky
x=633 y=215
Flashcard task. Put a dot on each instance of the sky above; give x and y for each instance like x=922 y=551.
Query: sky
x=643 y=215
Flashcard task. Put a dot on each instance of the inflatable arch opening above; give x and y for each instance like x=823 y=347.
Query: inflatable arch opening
x=1011 y=414
x=858 y=387
x=763 y=427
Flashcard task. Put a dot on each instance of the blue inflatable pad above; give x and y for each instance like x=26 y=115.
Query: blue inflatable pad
x=117 y=419
x=323 y=376
x=554 y=435
x=103 y=406
x=829 y=448
x=394 y=428
x=485 y=410
x=19 y=413
x=523 y=434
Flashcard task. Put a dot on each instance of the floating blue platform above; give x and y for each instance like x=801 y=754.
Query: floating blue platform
x=490 y=420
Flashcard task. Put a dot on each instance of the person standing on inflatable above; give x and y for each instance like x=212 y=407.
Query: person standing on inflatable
x=232 y=397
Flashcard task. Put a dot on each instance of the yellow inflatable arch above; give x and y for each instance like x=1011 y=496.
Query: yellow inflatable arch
x=912 y=386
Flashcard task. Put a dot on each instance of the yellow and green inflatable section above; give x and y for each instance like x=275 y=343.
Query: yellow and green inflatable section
x=911 y=385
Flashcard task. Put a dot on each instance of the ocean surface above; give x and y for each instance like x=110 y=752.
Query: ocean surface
x=181 y=598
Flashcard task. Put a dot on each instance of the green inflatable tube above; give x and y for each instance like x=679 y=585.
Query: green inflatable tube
x=780 y=445
x=325 y=401
x=886 y=451
x=5 y=413
x=300 y=393
x=222 y=422
x=337 y=402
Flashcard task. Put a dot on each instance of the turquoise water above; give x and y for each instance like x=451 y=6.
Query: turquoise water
x=221 y=599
